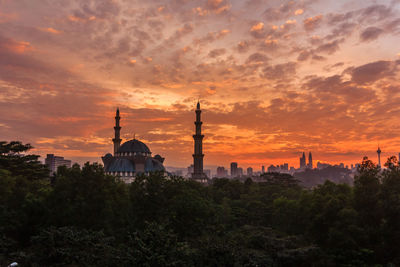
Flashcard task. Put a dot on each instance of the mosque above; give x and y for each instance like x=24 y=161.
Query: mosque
x=131 y=158
x=134 y=157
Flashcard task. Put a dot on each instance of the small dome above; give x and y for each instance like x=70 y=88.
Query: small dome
x=153 y=165
x=108 y=155
x=159 y=158
x=121 y=165
x=134 y=146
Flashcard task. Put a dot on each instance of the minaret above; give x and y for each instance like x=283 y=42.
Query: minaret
x=379 y=156
x=198 y=155
x=117 y=140
x=310 y=163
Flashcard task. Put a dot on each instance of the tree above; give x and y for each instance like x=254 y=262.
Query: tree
x=367 y=202
x=390 y=197
x=13 y=160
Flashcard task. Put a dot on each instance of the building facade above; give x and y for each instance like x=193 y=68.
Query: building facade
x=53 y=162
x=234 y=169
x=310 y=162
x=303 y=161
x=221 y=172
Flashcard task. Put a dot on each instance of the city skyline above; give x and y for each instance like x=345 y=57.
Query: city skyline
x=275 y=78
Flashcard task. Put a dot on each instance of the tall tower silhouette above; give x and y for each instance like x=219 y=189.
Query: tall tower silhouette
x=379 y=156
x=117 y=139
x=310 y=163
x=198 y=155
x=303 y=161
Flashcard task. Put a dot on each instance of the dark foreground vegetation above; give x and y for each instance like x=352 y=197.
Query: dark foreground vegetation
x=82 y=217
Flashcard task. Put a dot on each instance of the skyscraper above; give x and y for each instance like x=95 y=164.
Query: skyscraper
x=379 y=156
x=234 y=167
x=310 y=163
x=263 y=168
x=303 y=161
x=198 y=155
x=249 y=171
x=239 y=172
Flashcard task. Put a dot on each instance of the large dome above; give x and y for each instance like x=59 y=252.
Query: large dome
x=134 y=146
x=121 y=165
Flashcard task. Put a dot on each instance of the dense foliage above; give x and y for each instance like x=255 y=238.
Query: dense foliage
x=82 y=217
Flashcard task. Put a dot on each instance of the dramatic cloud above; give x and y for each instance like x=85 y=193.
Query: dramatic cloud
x=370 y=34
x=374 y=71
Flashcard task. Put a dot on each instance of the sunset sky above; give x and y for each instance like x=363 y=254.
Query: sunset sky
x=274 y=78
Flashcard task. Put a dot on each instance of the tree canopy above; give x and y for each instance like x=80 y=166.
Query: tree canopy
x=83 y=217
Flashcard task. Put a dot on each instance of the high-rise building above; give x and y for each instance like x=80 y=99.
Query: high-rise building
x=239 y=172
x=221 y=172
x=310 y=163
x=263 y=168
x=53 y=162
x=249 y=171
x=286 y=166
x=234 y=167
x=303 y=161
x=198 y=155
x=379 y=156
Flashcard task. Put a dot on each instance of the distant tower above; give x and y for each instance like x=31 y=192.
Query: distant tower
x=303 y=161
x=117 y=140
x=379 y=156
x=198 y=155
x=249 y=171
x=310 y=163
x=234 y=169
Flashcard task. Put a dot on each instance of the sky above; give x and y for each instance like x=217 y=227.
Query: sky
x=274 y=78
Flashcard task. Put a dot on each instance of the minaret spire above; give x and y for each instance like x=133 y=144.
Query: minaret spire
x=117 y=139
x=198 y=155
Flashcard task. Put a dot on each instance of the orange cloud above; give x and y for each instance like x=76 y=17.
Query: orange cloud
x=200 y=11
x=50 y=30
x=312 y=23
x=299 y=12
x=18 y=47
x=257 y=27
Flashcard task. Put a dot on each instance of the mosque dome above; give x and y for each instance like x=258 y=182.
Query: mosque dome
x=134 y=145
x=121 y=165
x=153 y=165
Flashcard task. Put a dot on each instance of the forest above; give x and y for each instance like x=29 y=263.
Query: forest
x=83 y=217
